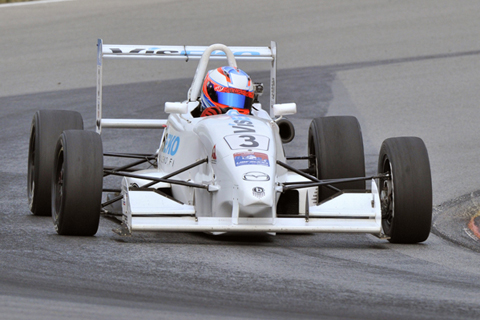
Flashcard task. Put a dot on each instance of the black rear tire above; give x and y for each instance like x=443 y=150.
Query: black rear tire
x=77 y=183
x=336 y=145
x=407 y=195
x=47 y=125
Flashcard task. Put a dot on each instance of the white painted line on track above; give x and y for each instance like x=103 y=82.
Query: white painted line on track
x=16 y=4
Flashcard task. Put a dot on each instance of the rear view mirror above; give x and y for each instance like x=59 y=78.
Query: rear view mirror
x=282 y=109
x=176 y=107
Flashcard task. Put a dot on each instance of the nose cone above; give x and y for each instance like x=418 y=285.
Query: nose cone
x=253 y=194
x=242 y=154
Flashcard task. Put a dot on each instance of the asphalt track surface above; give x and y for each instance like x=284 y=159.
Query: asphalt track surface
x=401 y=67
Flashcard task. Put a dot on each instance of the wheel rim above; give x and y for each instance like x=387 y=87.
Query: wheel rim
x=58 y=186
x=387 y=197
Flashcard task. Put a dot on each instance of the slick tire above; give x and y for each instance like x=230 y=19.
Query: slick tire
x=47 y=125
x=335 y=145
x=406 y=196
x=77 y=183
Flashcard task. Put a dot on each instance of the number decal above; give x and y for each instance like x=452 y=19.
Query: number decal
x=247 y=141
x=251 y=139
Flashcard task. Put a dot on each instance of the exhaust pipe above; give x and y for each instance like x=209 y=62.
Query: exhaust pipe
x=286 y=129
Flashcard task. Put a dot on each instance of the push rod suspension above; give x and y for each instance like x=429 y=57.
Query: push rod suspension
x=165 y=178
x=298 y=185
x=301 y=158
x=125 y=167
x=193 y=165
x=156 y=180
x=130 y=155
x=317 y=182
x=306 y=175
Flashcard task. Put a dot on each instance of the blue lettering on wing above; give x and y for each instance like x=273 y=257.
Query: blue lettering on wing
x=192 y=53
x=246 y=53
x=158 y=50
x=219 y=53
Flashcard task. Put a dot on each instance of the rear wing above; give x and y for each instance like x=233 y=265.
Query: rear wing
x=182 y=53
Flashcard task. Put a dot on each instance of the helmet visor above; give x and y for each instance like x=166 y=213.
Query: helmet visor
x=235 y=98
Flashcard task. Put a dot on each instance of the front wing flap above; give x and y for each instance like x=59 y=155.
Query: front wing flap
x=349 y=212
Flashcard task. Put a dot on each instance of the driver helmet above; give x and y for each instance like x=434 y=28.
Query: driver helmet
x=227 y=87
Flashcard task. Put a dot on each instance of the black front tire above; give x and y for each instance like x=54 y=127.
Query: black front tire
x=77 y=183
x=47 y=125
x=406 y=196
x=336 y=146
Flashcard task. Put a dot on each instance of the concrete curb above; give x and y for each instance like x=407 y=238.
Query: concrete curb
x=458 y=221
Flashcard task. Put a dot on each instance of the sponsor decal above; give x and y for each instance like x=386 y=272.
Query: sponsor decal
x=256 y=176
x=258 y=192
x=160 y=51
x=169 y=161
x=171 y=144
x=245 y=134
x=214 y=154
x=242 y=124
x=251 y=158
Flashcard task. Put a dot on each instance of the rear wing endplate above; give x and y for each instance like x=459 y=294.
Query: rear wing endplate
x=182 y=53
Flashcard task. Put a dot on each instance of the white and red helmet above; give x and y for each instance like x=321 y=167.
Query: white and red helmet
x=227 y=87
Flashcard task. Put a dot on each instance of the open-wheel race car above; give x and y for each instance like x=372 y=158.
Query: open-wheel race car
x=226 y=172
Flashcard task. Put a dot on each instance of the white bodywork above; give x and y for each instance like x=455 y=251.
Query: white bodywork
x=239 y=183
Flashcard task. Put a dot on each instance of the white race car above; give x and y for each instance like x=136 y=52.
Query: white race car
x=227 y=172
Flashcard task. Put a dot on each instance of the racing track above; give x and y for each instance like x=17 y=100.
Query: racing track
x=402 y=68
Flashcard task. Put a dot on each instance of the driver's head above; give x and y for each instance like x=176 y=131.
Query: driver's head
x=227 y=87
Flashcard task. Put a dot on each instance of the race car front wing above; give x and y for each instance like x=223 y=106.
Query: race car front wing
x=350 y=212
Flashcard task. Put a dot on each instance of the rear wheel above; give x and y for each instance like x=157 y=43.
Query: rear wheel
x=406 y=196
x=47 y=125
x=336 y=145
x=77 y=183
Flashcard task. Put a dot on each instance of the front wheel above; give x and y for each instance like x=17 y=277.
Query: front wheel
x=406 y=194
x=77 y=183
